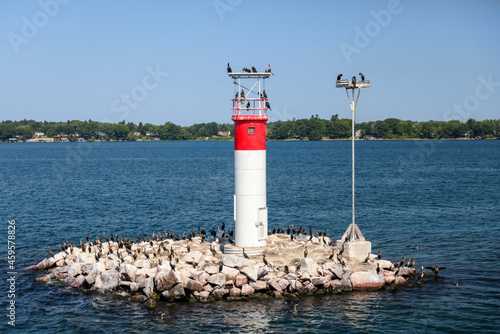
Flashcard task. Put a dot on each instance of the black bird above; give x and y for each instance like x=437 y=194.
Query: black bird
x=248 y=105
x=339 y=76
x=88 y=239
x=354 y=81
x=229 y=70
x=264 y=93
x=379 y=255
x=331 y=256
x=326 y=231
x=378 y=268
x=305 y=251
x=286 y=269
x=221 y=266
x=62 y=247
x=268 y=105
x=362 y=76
x=269 y=69
x=291 y=237
x=435 y=270
x=52 y=252
x=264 y=260
x=367 y=257
x=416 y=248
x=188 y=247
x=254 y=70
x=242 y=93
x=245 y=254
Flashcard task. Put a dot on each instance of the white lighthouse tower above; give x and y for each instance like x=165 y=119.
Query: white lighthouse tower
x=250 y=107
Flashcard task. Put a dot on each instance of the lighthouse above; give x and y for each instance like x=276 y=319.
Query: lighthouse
x=250 y=106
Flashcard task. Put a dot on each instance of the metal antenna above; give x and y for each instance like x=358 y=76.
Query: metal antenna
x=353 y=229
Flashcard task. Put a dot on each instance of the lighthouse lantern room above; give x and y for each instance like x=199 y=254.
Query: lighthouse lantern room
x=250 y=106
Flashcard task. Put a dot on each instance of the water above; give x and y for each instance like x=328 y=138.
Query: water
x=442 y=195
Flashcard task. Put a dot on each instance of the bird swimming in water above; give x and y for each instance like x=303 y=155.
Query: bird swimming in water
x=254 y=70
x=245 y=254
x=435 y=270
x=339 y=76
x=229 y=70
x=362 y=76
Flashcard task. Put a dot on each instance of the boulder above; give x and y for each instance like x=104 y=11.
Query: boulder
x=128 y=272
x=220 y=293
x=284 y=283
x=74 y=269
x=318 y=280
x=252 y=272
x=212 y=269
x=192 y=257
x=134 y=286
x=149 y=287
x=275 y=285
x=366 y=280
x=235 y=292
x=217 y=279
x=138 y=298
x=202 y=296
x=230 y=272
x=240 y=280
x=167 y=280
x=177 y=292
x=235 y=261
x=307 y=265
x=260 y=285
x=143 y=263
x=107 y=281
x=78 y=281
x=247 y=290
x=193 y=285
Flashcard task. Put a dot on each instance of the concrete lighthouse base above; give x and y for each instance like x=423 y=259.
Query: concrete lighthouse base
x=356 y=249
x=250 y=251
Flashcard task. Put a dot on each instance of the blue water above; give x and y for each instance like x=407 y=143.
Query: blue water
x=442 y=195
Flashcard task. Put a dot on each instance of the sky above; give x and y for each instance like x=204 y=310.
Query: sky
x=165 y=61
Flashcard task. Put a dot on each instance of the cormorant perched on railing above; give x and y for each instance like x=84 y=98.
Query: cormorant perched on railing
x=362 y=76
x=354 y=81
x=248 y=105
x=242 y=93
x=339 y=76
x=229 y=70
x=264 y=93
x=268 y=105
x=254 y=70
x=269 y=69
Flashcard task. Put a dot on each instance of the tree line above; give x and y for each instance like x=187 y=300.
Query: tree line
x=313 y=128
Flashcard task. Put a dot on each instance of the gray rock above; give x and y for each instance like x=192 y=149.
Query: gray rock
x=263 y=271
x=149 y=287
x=107 y=281
x=230 y=273
x=144 y=263
x=220 y=293
x=217 y=279
x=212 y=269
x=193 y=285
x=134 y=286
x=247 y=290
x=192 y=256
x=235 y=261
x=308 y=266
x=167 y=280
x=128 y=272
x=177 y=292
x=74 y=269
x=318 y=280
x=252 y=272
x=275 y=285
x=78 y=281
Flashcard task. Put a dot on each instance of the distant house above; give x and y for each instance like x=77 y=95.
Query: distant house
x=359 y=133
x=101 y=134
x=38 y=134
x=137 y=134
x=42 y=140
x=64 y=139
x=224 y=133
x=80 y=140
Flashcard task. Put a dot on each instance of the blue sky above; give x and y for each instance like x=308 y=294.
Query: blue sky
x=428 y=60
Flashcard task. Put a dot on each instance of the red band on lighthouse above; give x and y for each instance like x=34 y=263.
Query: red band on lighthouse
x=250 y=132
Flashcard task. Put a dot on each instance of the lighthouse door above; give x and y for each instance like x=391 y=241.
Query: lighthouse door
x=262 y=223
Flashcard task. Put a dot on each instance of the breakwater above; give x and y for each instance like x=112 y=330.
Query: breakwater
x=196 y=270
